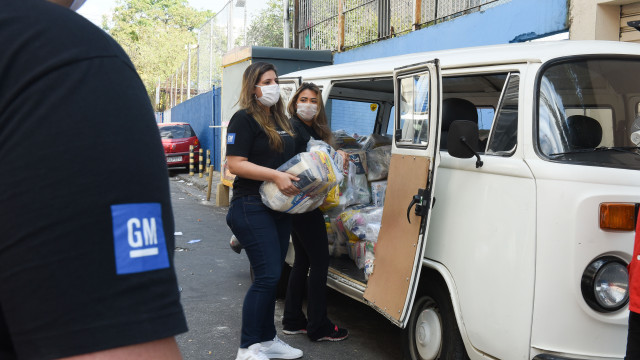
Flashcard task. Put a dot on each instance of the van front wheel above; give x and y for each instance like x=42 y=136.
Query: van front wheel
x=432 y=332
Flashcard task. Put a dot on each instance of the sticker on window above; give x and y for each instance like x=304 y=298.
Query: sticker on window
x=138 y=238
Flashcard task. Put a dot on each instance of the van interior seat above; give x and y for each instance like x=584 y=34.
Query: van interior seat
x=455 y=109
x=584 y=132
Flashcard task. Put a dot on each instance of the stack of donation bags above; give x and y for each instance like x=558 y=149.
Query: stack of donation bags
x=349 y=187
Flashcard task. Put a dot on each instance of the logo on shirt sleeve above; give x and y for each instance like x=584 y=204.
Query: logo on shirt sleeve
x=231 y=138
x=138 y=238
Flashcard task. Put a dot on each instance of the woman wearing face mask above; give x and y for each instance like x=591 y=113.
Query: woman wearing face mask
x=309 y=234
x=259 y=140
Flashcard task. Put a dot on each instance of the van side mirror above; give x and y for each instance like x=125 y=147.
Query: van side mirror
x=462 y=140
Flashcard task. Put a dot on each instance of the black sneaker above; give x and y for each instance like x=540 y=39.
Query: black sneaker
x=294 y=331
x=336 y=335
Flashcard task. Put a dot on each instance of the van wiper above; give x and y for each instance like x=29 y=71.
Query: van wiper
x=625 y=149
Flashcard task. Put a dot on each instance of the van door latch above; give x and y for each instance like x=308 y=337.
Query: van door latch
x=421 y=201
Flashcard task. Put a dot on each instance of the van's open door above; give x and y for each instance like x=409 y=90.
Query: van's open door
x=405 y=221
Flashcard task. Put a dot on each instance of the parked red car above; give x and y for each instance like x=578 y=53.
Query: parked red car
x=176 y=138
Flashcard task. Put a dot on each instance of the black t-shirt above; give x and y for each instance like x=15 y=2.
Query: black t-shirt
x=304 y=133
x=246 y=138
x=83 y=180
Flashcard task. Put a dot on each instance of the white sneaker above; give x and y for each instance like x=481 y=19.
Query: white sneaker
x=253 y=352
x=278 y=349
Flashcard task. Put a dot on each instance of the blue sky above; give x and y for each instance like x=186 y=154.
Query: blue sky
x=94 y=9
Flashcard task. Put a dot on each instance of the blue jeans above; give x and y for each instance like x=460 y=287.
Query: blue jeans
x=264 y=235
x=312 y=257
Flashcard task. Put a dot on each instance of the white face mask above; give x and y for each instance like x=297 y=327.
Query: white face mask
x=307 y=111
x=270 y=94
x=76 y=4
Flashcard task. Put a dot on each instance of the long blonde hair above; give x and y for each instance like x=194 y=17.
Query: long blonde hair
x=319 y=122
x=248 y=101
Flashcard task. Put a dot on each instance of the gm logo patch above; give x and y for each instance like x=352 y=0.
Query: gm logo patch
x=231 y=138
x=138 y=238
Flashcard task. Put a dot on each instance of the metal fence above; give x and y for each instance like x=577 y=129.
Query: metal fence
x=212 y=44
x=360 y=21
x=317 y=23
x=343 y=24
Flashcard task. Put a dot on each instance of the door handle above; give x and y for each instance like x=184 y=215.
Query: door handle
x=421 y=201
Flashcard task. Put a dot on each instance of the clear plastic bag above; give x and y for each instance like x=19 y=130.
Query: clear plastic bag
x=357 y=253
x=344 y=140
x=362 y=224
x=317 y=176
x=369 y=259
x=378 y=161
x=378 y=192
x=373 y=141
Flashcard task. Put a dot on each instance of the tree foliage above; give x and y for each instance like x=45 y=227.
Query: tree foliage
x=155 y=34
x=266 y=28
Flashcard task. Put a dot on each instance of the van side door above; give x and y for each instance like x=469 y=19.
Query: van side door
x=405 y=220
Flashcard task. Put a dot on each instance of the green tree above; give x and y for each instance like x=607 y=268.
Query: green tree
x=266 y=27
x=155 y=34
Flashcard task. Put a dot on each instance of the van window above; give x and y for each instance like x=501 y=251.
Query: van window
x=585 y=111
x=390 y=123
x=504 y=135
x=485 y=117
x=355 y=117
x=413 y=121
x=473 y=98
x=604 y=116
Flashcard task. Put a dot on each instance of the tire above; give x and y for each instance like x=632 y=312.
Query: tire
x=432 y=331
x=283 y=283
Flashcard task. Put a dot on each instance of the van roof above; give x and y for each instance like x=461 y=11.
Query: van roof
x=539 y=52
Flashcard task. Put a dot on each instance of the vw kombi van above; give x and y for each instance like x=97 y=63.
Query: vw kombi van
x=512 y=195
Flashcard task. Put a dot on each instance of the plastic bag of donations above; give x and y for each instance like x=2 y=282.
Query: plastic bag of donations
x=317 y=175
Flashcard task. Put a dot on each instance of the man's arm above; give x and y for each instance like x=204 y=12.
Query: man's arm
x=164 y=349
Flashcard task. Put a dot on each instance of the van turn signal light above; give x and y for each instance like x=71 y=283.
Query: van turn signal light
x=618 y=216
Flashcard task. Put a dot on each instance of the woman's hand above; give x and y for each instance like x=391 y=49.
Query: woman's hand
x=284 y=182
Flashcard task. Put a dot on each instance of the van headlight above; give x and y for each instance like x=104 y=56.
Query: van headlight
x=605 y=284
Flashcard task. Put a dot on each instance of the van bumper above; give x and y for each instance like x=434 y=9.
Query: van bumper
x=556 y=357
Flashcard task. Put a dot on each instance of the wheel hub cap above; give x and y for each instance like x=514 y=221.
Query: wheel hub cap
x=428 y=334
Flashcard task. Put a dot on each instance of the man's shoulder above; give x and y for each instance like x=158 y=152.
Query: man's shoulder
x=43 y=30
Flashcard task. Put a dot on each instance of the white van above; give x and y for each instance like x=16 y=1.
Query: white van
x=505 y=235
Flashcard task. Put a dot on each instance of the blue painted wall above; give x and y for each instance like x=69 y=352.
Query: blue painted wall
x=512 y=21
x=201 y=112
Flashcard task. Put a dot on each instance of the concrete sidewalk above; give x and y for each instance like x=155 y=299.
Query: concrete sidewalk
x=200 y=183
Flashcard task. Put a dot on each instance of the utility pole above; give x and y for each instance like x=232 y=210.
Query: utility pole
x=210 y=54
x=189 y=72
x=296 y=24
x=230 y=27
x=175 y=88
x=285 y=17
x=157 y=94
x=182 y=83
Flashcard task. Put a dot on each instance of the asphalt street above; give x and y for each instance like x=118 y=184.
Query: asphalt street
x=214 y=281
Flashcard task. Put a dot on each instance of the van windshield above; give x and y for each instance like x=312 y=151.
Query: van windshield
x=589 y=112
